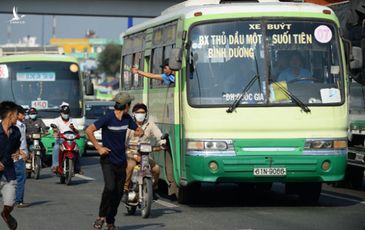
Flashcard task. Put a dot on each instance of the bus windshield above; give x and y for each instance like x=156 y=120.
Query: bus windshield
x=43 y=85
x=300 y=57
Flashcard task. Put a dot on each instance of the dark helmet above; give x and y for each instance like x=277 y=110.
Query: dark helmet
x=139 y=106
x=65 y=109
x=32 y=111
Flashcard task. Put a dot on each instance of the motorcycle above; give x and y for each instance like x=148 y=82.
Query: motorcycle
x=67 y=155
x=34 y=165
x=141 y=187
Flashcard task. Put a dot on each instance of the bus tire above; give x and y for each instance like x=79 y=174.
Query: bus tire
x=187 y=194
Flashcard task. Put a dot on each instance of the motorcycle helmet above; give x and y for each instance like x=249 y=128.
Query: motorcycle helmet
x=32 y=113
x=65 y=112
x=140 y=117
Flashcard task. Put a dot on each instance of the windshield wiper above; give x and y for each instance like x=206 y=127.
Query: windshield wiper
x=234 y=105
x=297 y=101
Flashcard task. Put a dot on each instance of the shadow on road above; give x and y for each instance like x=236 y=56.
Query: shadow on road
x=231 y=195
x=36 y=203
x=142 y=226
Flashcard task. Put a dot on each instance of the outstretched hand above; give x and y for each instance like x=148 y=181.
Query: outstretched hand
x=134 y=70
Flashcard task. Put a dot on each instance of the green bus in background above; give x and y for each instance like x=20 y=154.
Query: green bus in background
x=235 y=114
x=43 y=80
x=356 y=155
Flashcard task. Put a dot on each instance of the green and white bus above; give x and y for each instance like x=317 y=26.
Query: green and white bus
x=232 y=115
x=43 y=81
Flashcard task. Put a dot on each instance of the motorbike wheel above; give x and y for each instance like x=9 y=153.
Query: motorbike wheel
x=147 y=198
x=29 y=175
x=37 y=167
x=69 y=171
x=131 y=210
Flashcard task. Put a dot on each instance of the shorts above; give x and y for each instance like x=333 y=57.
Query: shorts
x=8 y=191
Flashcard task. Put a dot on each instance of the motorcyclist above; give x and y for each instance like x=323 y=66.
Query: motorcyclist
x=151 y=133
x=64 y=123
x=33 y=124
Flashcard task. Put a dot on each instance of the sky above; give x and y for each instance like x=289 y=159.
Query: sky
x=66 y=27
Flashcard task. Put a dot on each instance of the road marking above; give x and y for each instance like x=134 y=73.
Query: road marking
x=84 y=177
x=166 y=204
x=343 y=198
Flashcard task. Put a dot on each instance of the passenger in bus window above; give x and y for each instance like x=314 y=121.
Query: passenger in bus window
x=168 y=76
x=295 y=72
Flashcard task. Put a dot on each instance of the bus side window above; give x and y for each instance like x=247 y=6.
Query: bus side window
x=157 y=57
x=137 y=82
x=127 y=75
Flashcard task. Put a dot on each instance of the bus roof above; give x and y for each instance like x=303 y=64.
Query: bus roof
x=186 y=10
x=37 y=57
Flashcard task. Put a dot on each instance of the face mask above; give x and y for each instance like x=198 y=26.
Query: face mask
x=140 y=116
x=33 y=116
x=65 y=116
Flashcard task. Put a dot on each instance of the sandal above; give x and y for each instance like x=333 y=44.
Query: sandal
x=10 y=221
x=98 y=224
x=111 y=227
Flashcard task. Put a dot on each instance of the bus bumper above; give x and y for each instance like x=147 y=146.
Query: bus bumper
x=307 y=167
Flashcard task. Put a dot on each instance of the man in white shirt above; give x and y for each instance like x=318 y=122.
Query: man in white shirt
x=64 y=123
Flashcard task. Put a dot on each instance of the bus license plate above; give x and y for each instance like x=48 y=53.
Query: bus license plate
x=269 y=171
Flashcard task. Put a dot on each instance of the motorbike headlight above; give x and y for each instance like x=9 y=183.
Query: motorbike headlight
x=70 y=136
x=36 y=136
x=145 y=148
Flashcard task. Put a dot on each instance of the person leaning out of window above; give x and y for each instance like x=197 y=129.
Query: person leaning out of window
x=168 y=76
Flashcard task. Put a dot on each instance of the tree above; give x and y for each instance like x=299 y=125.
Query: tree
x=109 y=59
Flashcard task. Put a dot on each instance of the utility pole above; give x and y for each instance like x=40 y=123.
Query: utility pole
x=54 y=26
x=8 y=33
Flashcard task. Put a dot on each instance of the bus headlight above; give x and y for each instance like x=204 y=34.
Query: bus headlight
x=325 y=144
x=209 y=147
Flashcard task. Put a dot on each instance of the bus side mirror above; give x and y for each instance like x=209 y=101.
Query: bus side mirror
x=89 y=87
x=175 y=59
x=356 y=58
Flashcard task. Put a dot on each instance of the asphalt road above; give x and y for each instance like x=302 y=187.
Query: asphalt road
x=56 y=206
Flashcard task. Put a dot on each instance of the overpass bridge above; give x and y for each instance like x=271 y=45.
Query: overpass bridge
x=111 y=8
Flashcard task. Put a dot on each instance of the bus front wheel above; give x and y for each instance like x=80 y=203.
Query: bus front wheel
x=186 y=194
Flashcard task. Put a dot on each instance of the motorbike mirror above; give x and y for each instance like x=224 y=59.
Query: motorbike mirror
x=164 y=136
x=53 y=126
